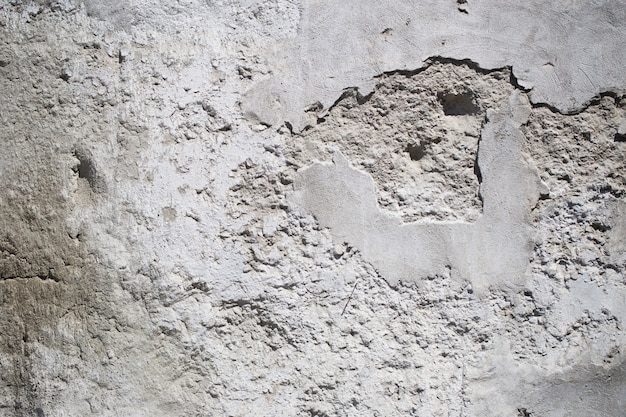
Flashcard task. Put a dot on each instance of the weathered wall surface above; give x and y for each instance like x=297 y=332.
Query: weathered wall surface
x=233 y=208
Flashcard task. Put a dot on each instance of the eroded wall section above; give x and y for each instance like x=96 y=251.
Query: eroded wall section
x=266 y=207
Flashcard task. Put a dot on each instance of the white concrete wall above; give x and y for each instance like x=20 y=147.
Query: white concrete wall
x=345 y=208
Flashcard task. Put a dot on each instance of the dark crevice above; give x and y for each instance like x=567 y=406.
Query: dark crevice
x=458 y=104
x=415 y=151
x=348 y=92
x=594 y=101
x=554 y=109
x=473 y=65
x=479 y=177
x=477 y=172
x=50 y=277
x=289 y=127
x=361 y=99
x=404 y=73
x=86 y=169
x=513 y=80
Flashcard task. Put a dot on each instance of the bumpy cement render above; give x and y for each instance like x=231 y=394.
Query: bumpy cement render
x=233 y=208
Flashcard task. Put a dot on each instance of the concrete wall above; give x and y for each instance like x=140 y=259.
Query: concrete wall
x=339 y=208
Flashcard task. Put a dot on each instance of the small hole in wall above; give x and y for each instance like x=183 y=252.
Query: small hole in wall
x=415 y=151
x=458 y=104
x=87 y=170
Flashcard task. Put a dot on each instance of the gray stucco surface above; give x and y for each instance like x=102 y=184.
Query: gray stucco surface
x=312 y=208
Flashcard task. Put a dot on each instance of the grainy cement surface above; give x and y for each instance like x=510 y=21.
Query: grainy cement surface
x=346 y=208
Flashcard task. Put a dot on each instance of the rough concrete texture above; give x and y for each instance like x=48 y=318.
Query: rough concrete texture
x=233 y=208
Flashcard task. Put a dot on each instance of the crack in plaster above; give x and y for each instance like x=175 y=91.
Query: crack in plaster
x=547 y=51
x=49 y=277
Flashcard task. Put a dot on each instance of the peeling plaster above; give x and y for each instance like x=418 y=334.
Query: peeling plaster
x=495 y=250
x=563 y=52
